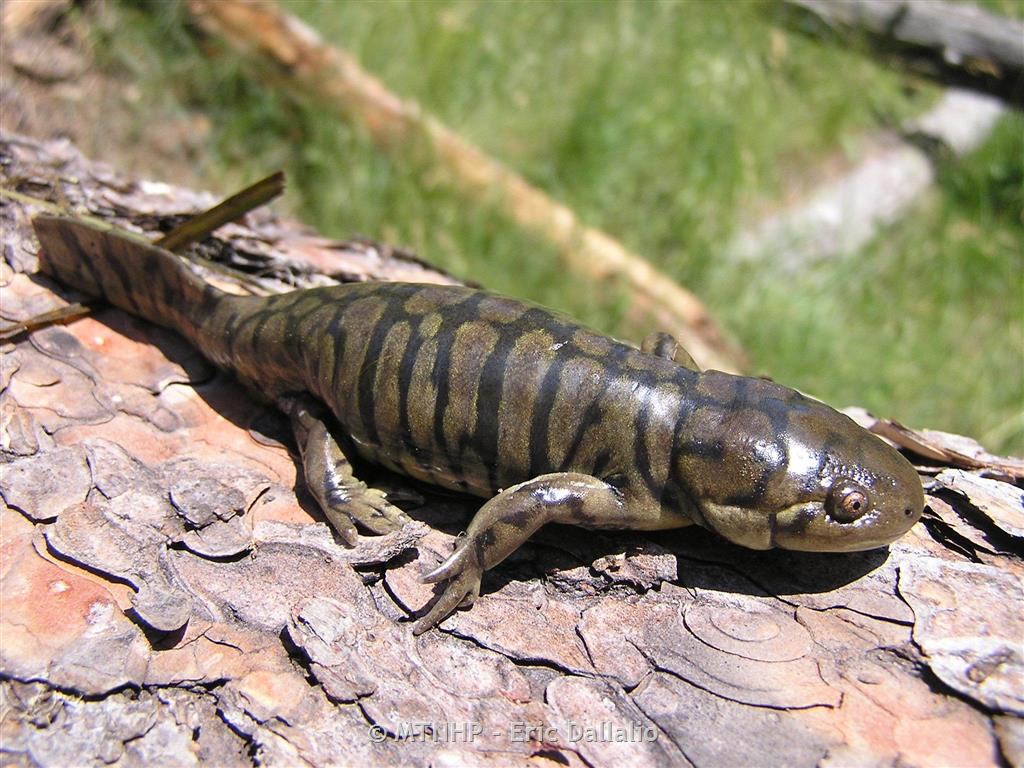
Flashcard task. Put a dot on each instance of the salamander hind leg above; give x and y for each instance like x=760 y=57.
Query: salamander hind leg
x=510 y=518
x=344 y=499
x=664 y=345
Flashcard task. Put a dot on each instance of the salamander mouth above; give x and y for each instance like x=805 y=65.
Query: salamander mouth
x=808 y=527
x=805 y=527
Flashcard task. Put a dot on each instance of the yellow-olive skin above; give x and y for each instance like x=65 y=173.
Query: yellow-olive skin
x=548 y=420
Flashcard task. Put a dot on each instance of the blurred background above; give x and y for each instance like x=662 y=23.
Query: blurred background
x=677 y=128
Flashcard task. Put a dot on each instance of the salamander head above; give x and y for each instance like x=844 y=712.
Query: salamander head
x=790 y=472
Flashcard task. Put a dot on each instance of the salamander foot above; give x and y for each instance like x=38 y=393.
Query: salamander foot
x=344 y=499
x=464 y=572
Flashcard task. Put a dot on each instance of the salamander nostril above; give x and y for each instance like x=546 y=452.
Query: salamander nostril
x=908 y=512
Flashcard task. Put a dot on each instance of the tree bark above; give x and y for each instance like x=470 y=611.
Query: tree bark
x=171 y=596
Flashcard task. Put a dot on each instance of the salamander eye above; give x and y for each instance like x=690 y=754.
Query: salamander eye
x=847 y=501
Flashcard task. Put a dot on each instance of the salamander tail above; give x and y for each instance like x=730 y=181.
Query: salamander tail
x=129 y=273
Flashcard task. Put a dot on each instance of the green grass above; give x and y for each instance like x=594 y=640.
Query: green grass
x=668 y=125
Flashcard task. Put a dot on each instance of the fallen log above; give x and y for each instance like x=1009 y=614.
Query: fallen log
x=846 y=212
x=170 y=596
x=963 y=43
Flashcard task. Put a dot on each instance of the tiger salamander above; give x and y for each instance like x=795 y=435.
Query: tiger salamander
x=550 y=421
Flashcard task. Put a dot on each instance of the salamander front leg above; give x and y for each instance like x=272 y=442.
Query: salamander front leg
x=510 y=518
x=343 y=498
